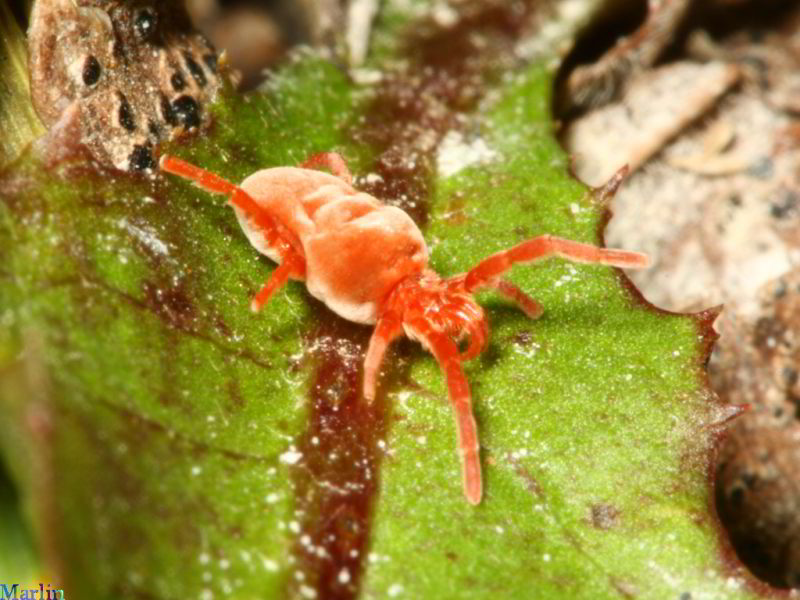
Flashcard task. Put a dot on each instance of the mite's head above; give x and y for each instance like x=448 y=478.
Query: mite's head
x=443 y=305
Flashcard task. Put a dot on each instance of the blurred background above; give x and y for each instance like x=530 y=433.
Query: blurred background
x=702 y=99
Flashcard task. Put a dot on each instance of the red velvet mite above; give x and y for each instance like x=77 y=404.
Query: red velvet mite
x=368 y=262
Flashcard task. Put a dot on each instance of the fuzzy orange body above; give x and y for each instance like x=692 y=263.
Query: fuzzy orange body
x=368 y=263
x=356 y=248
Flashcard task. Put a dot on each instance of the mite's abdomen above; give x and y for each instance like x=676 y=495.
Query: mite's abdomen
x=355 y=260
x=356 y=248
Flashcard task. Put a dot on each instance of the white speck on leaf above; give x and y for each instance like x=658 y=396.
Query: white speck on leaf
x=290 y=457
x=269 y=565
x=147 y=237
x=308 y=592
x=455 y=154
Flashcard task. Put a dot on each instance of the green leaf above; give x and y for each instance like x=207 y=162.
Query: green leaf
x=169 y=443
x=18 y=121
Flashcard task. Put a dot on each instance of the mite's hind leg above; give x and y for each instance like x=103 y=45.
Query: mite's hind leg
x=277 y=236
x=332 y=161
x=275 y=233
x=292 y=265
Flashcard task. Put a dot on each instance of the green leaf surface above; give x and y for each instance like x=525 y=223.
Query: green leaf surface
x=18 y=121
x=171 y=444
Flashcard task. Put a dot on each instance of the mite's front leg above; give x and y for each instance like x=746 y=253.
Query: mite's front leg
x=387 y=329
x=446 y=354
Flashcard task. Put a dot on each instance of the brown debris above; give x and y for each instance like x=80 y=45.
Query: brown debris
x=757 y=492
x=594 y=85
x=135 y=71
x=604 y=516
x=721 y=223
x=251 y=40
x=647 y=117
x=757 y=359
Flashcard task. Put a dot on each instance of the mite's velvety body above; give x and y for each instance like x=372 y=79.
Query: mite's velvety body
x=368 y=262
x=343 y=233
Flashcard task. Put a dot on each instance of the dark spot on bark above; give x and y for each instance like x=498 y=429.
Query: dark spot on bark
x=145 y=23
x=211 y=62
x=736 y=495
x=167 y=114
x=117 y=49
x=166 y=111
x=785 y=205
x=749 y=479
x=789 y=375
x=195 y=69
x=177 y=81
x=141 y=158
x=768 y=332
x=91 y=71
x=125 y=114
x=186 y=111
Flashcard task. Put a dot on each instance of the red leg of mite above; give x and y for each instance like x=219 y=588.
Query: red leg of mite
x=238 y=197
x=545 y=246
x=470 y=319
x=386 y=329
x=447 y=356
x=332 y=161
x=527 y=304
x=478 y=334
x=205 y=179
x=291 y=265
